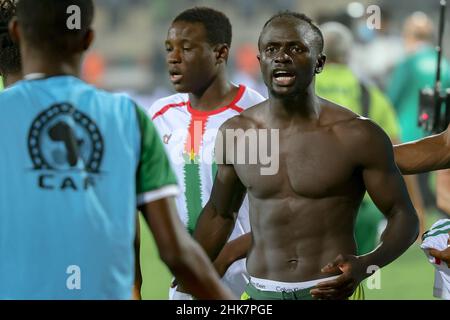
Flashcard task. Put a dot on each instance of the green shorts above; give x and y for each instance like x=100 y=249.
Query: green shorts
x=253 y=293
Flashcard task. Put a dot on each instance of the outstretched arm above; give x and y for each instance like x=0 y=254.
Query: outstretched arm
x=428 y=154
x=386 y=187
x=181 y=253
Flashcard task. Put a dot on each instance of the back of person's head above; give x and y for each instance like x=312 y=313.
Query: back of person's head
x=55 y=26
x=338 y=42
x=419 y=27
x=9 y=51
x=217 y=25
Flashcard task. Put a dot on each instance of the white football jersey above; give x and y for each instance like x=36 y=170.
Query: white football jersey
x=189 y=136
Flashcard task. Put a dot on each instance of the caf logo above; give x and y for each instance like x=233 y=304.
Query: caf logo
x=63 y=142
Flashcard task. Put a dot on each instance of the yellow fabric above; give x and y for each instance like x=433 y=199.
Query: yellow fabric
x=245 y=296
x=338 y=84
x=358 y=294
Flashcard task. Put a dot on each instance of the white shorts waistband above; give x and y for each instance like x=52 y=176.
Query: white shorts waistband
x=278 y=286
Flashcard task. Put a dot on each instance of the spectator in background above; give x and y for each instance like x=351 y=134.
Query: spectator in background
x=417 y=71
x=93 y=69
x=247 y=69
x=378 y=57
x=339 y=84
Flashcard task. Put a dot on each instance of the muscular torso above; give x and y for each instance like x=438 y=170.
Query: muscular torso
x=303 y=216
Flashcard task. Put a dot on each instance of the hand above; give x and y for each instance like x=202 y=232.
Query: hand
x=443 y=255
x=353 y=272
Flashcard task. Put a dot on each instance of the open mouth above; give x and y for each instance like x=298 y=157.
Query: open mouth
x=175 y=76
x=283 y=78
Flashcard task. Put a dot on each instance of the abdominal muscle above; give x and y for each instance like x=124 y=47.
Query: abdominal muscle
x=294 y=247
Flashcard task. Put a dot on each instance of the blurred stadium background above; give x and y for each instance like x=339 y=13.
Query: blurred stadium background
x=128 y=56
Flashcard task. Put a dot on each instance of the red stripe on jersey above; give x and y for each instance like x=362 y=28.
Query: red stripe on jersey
x=194 y=140
x=232 y=105
x=167 y=107
x=236 y=108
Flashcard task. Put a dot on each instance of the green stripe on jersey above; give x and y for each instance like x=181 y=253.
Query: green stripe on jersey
x=193 y=193
x=441 y=225
x=214 y=171
x=444 y=231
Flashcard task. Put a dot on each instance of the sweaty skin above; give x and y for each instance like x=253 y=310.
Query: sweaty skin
x=303 y=217
x=424 y=155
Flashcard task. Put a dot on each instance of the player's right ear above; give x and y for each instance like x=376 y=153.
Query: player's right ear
x=88 y=39
x=14 y=30
x=222 y=51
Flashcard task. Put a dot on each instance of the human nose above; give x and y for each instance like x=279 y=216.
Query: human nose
x=282 y=56
x=174 y=56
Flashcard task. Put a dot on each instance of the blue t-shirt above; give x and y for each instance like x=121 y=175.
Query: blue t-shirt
x=74 y=163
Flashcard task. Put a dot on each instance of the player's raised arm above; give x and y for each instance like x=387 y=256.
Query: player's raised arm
x=428 y=154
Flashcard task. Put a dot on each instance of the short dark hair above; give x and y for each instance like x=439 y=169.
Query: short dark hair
x=9 y=51
x=44 y=23
x=302 y=17
x=216 y=23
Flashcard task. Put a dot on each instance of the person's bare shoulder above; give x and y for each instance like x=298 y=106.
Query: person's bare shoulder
x=333 y=114
x=361 y=135
x=251 y=118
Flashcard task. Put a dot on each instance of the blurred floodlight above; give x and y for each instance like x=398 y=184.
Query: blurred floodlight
x=355 y=10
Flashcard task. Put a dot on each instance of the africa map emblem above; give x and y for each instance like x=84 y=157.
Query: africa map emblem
x=62 y=138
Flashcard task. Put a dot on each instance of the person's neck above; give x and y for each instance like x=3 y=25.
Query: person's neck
x=50 y=65
x=12 y=78
x=302 y=106
x=220 y=92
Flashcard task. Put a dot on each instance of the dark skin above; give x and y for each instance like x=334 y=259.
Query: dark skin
x=424 y=155
x=181 y=254
x=428 y=154
x=303 y=217
x=11 y=78
x=443 y=255
x=198 y=68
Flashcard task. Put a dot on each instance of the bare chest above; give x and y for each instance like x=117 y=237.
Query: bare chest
x=306 y=165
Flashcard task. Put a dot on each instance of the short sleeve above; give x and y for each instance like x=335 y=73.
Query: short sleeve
x=155 y=179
